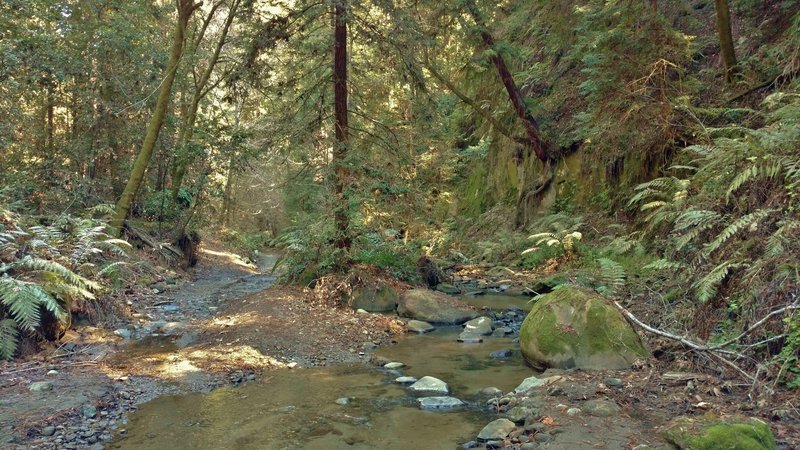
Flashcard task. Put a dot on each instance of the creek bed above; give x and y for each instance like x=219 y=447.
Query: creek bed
x=293 y=409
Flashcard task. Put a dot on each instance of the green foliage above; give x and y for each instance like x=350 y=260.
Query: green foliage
x=48 y=268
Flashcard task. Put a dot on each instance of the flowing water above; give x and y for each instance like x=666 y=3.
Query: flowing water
x=292 y=409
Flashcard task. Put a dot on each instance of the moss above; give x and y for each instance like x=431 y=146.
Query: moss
x=572 y=328
x=473 y=199
x=708 y=433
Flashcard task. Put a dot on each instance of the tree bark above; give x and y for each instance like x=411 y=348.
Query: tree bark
x=186 y=133
x=341 y=130
x=514 y=94
x=726 y=38
x=185 y=10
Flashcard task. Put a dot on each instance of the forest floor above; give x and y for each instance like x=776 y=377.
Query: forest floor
x=224 y=323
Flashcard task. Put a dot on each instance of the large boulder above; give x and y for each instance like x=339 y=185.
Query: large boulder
x=708 y=433
x=571 y=328
x=374 y=298
x=431 y=306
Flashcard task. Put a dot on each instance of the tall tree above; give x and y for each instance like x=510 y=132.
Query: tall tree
x=341 y=130
x=201 y=89
x=185 y=10
x=514 y=94
x=725 y=38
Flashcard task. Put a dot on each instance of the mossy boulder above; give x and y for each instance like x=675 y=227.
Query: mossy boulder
x=374 y=298
x=434 y=307
x=709 y=432
x=572 y=328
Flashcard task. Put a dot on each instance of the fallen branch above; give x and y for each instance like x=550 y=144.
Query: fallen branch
x=716 y=352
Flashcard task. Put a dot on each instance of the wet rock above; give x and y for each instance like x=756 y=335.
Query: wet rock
x=430 y=385
x=527 y=446
x=711 y=433
x=470 y=444
x=405 y=380
x=491 y=391
x=470 y=338
x=48 y=430
x=393 y=365
x=494 y=444
x=613 y=382
x=369 y=346
x=434 y=307
x=439 y=403
x=573 y=411
x=40 y=386
x=502 y=354
x=52 y=373
x=497 y=429
x=419 y=326
x=573 y=328
x=480 y=325
x=344 y=401
x=448 y=289
x=601 y=408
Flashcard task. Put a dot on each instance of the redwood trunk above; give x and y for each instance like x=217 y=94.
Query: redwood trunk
x=726 y=38
x=341 y=131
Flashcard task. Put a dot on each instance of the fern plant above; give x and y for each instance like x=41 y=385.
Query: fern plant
x=45 y=272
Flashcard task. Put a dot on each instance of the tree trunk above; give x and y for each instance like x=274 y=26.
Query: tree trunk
x=514 y=94
x=184 y=158
x=185 y=10
x=726 y=38
x=341 y=130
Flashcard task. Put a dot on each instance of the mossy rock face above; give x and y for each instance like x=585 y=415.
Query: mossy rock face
x=571 y=328
x=374 y=298
x=709 y=433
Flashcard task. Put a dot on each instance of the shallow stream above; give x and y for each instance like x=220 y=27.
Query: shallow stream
x=292 y=409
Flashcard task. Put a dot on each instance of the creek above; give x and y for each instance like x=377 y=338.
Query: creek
x=294 y=409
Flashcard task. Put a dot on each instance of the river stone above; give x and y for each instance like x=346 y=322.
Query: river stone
x=40 y=386
x=502 y=354
x=430 y=385
x=534 y=382
x=434 y=307
x=572 y=328
x=497 y=429
x=481 y=325
x=419 y=326
x=519 y=414
x=491 y=391
x=124 y=333
x=439 y=403
x=601 y=408
x=469 y=338
x=393 y=365
x=448 y=289
x=89 y=411
x=708 y=433
x=374 y=298
x=405 y=380
x=48 y=430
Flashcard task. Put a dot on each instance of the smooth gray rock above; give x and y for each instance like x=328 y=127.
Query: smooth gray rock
x=502 y=354
x=530 y=383
x=613 y=382
x=491 y=391
x=48 y=430
x=497 y=429
x=601 y=408
x=480 y=325
x=419 y=326
x=470 y=338
x=439 y=403
x=430 y=385
x=393 y=365
x=434 y=307
x=40 y=386
x=89 y=411
x=344 y=401
x=405 y=380
x=124 y=333
x=448 y=289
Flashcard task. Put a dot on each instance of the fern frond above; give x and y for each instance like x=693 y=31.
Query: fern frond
x=736 y=226
x=706 y=288
x=30 y=263
x=111 y=269
x=777 y=242
x=663 y=264
x=695 y=218
x=8 y=338
x=612 y=274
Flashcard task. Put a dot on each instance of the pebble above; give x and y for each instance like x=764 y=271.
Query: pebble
x=48 y=430
x=89 y=411
x=52 y=373
x=344 y=401
x=405 y=380
x=601 y=408
x=613 y=382
x=393 y=365
x=496 y=429
x=40 y=386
